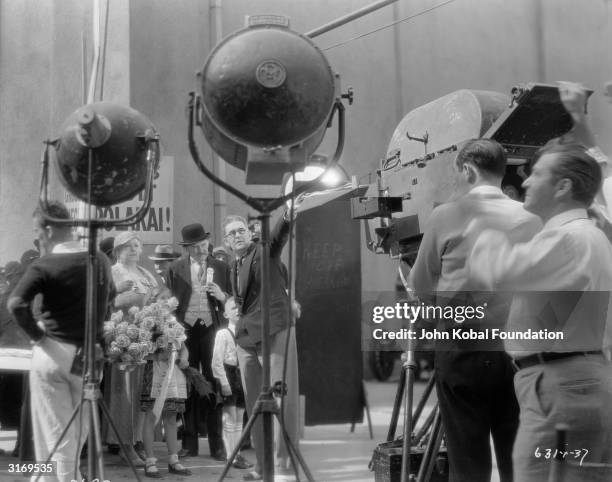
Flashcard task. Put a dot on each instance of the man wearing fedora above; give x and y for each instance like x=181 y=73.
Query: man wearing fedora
x=201 y=284
x=162 y=257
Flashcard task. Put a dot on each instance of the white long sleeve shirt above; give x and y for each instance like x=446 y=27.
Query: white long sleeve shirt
x=224 y=351
x=562 y=280
x=441 y=262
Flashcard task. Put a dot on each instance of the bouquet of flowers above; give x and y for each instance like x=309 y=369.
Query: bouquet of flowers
x=131 y=337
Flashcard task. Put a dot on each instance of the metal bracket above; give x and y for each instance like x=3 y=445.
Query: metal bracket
x=424 y=139
x=350 y=94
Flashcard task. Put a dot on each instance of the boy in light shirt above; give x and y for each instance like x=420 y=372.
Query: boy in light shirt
x=225 y=370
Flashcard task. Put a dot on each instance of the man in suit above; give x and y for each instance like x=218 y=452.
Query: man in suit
x=246 y=284
x=162 y=257
x=473 y=378
x=201 y=284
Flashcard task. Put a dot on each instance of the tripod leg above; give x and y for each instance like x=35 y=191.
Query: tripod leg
x=295 y=452
x=268 y=459
x=431 y=451
x=426 y=425
x=246 y=432
x=366 y=405
x=408 y=426
x=423 y=400
x=291 y=450
x=399 y=395
x=94 y=453
x=116 y=432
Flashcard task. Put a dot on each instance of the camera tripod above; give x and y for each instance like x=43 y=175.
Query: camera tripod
x=432 y=428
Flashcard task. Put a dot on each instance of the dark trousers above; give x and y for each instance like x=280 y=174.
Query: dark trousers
x=477 y=401
x=200 y=343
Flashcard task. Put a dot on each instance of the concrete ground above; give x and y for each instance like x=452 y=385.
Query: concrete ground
x=331 y=452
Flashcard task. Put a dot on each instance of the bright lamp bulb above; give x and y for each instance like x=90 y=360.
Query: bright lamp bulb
x=309 y=173
x=332 y=178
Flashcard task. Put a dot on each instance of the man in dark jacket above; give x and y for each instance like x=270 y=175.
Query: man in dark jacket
x=201 y=284
x=247 y=285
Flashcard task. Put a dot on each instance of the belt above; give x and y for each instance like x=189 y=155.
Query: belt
x=538 y=358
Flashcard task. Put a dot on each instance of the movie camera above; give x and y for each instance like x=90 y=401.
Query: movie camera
x=418 y=173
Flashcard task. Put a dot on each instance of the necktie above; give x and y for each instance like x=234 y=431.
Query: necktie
x=238 y=266
x=201 y=273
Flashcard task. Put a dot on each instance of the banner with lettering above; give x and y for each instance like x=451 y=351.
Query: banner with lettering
x=156 y=226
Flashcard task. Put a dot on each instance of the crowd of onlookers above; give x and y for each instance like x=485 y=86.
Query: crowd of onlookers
x=216 y=296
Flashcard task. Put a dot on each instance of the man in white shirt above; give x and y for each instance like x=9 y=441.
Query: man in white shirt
x=563 y=278
x=473 y=379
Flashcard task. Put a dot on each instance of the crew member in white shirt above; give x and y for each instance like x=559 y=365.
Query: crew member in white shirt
x=564 y=275
x=473 y=379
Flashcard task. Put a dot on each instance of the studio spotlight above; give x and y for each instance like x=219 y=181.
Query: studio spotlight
x=268 y=95
x=119 y=140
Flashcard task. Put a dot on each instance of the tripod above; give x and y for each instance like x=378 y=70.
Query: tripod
x=433 y=424
x=431 y=430
x=91 y=396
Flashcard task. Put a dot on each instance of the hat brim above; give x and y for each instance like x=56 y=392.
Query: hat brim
x=189 y=243
x=164 y=258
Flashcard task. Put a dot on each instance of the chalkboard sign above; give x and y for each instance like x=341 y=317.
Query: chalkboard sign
x=328 y=286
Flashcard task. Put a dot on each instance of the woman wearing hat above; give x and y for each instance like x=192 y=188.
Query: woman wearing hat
x=135 y=287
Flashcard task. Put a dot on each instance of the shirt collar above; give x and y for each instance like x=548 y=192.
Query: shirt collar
x=565 y=217
x=486 y=189
x=195 y=261
x=68 y=247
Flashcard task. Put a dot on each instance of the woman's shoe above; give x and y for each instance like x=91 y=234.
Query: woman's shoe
x=152 y=471
x=178 y=469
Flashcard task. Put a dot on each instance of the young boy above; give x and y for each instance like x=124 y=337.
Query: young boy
x=225 y=370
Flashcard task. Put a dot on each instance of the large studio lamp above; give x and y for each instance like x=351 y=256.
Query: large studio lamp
x=106 y=154
x=268 y=97
x=119 y=140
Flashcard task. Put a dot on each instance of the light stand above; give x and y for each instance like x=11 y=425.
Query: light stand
x=266 y=405
x=91 y=394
